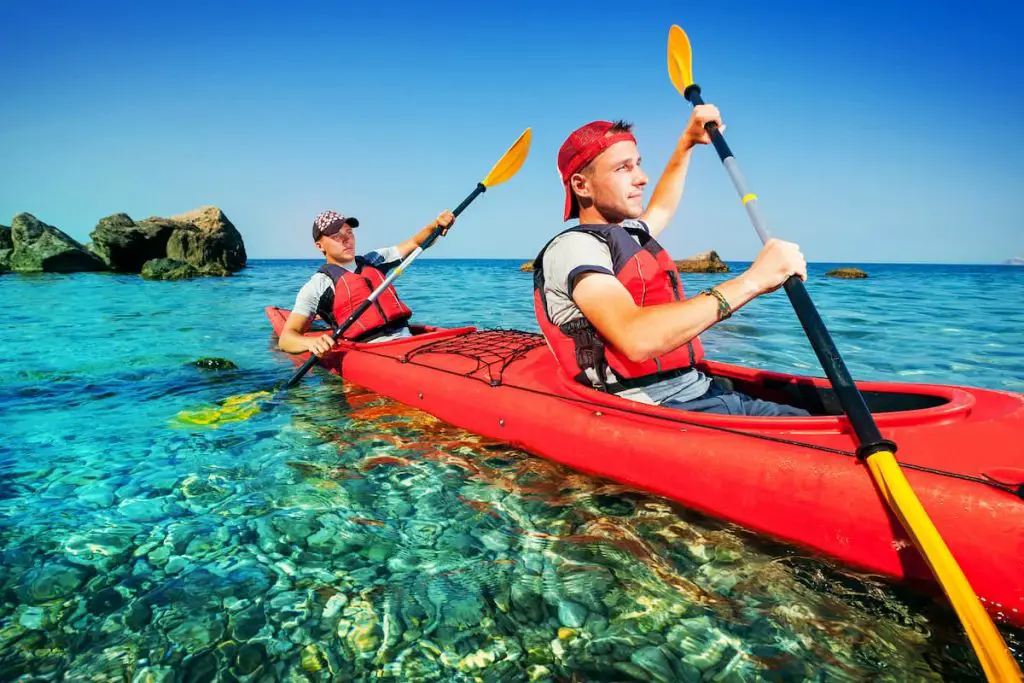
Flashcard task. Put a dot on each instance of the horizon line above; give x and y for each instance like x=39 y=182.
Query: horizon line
x=525 y=259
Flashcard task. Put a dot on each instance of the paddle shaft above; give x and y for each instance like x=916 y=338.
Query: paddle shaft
x=850 y=398
x=362 y=308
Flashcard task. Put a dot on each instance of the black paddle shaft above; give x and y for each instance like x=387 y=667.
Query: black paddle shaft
x=362 y=308
x=852 y=401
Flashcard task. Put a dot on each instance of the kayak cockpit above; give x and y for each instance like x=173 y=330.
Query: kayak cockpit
x=822 y=400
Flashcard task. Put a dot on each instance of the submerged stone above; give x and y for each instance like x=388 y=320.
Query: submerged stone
x=34 y=618
x=103 y=548
x=246 y=624
x=572 y=614
x=655 y=662
x=106 y=601
x=144 y=510
x=154 y=674
x=50 y=581
x=138 y=616
x=214 y=364
x=249 y=658
x=195 y=634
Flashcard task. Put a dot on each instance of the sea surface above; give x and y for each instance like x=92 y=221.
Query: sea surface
x=338 y=535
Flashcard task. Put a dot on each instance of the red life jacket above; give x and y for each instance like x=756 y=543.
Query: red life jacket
x=353 y=288
x=650 y=275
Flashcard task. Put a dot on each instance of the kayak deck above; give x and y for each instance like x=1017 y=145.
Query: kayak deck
x=794 y=478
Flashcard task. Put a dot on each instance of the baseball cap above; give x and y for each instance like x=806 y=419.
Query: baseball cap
x=581 y=147
x=329 y=222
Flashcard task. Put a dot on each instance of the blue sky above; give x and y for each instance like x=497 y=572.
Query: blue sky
x=872 y=131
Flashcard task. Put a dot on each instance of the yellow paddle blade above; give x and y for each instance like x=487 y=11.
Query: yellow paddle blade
x=511 y=162
x=233 y=409
x=680 y=60
x=988 y=643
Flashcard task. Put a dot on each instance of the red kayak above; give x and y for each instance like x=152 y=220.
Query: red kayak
x=795 y=478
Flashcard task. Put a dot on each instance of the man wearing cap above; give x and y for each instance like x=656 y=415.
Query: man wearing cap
x=346 y=281
x=608 y=297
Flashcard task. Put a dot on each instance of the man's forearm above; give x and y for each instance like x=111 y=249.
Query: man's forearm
x=291 y=341
x=656 y=330
x=669 y=190
x=409 y=246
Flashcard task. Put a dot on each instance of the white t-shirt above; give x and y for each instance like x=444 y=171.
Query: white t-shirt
x=574 y=254
x=307 y=303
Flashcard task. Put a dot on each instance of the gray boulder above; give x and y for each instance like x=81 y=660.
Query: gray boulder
x=847 y=273
x=125 y=245
x=38 y=247
x=208 y=241
x=706 y=262
x=6 y=247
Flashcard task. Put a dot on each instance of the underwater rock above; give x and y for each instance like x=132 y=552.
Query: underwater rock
x=159 y=556
x=572 y=614
x=97 y=494
x=334 y=605
x=34 y=618
x=138 y=616
x=196 y=633
x=362 y=628
x=290 y=608
x=527 y=602
x=106 y=601
x=154 y=674
x=103 y=548
x=214 y=364
x=249 y=658
x=176 y=565
x=200 y=668
x=495 y=540
x=653 y=661
x=247 y=624
x=145 y=510
x=295 y=528
x=847 y=273
x=50 y=581
x=312 y=659
x=456 y=541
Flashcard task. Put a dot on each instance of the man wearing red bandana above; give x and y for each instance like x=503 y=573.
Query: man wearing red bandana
x=608 y=297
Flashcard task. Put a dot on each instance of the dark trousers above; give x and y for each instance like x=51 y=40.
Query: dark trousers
x=715 y=400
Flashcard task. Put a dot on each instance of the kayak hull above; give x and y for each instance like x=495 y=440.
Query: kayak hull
x=794 y=479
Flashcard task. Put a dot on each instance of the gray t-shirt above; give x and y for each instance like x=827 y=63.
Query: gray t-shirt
x=567 y=258
x=307 y=302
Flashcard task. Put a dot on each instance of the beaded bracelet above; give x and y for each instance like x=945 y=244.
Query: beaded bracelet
x=724 y=310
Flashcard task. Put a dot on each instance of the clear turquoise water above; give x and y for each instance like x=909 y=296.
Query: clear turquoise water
x=341 y=536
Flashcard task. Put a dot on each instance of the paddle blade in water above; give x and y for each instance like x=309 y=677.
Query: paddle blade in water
x=233 y=409
x=680 y=63
x=511 y=162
